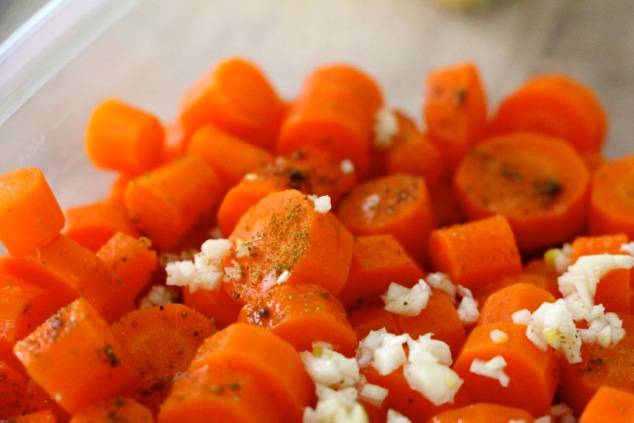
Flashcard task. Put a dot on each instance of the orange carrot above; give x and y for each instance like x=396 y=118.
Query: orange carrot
x=228 y=155
x=392 y=204
x=159 y=342
x=335 y=110
x=124 y=138
x=236 y=96
x=372 y=317
x=116 y=193
x=13 y=398
x=547 y=275
x=609 y=404
x=482 y=412
x=167 y=203
x=217 y=305
x=454 y=111
x=93 y=224
x=44 y=416
x=528 y=276
x=273 y=362
x=610 y=202
x=41 y=401
x=114 y=410
x=538 y=182
x=377 y=260
x=303 y=314
x=30 y=216
x=555 y=105
x=88 y=362
x=532 y=373
x=285 y=236
x=310 y=170
x=500 y=306
x=458 y=251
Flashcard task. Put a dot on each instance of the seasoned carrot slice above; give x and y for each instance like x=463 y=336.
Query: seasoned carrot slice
x=373 y=317
x=609 y=404
x=217 y=305
x=482 y=412
x=500 y=306
x=115 y=410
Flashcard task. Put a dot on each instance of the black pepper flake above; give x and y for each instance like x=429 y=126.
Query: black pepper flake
x=110 y=355
x=263 y=312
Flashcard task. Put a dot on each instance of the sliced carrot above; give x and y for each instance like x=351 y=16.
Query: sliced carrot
x=542 y=282
x=30 y=216
x=44 y=416
x=42 y=401
x=13 y=398
x=230 y=156
x=454 y=111
x=555 y=105
x=547 y=275
x=124 y=138
x=398 y=204
x=273 y=362
x=532 y=373
x=285 y=233
x=159 y=342
x=301 y=315
x=377 y=261
x=93 y=224
x=373 y=317
x=116 y=193
x=310 y=170
x=539 y=183
x=88 y=362
x=445 y=205
x=114 y=410
x=609 y=404
x=216 y=305
x=335 y=110
x=168 y=202
x=459 y=251
x=611 y=205
x=482 y=412
x=236 y=96
x=500 y=306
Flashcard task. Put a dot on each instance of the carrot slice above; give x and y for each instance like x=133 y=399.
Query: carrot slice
x=273 y=362
x=555 y=105
x=538 y=182
x=88 y=362
x=391 y=204
x=377 y=260
x=216 y=305
x=454 y=111
x=236 y=96
x=528 y=276
x=500 y=306
x=124 y=138
x=482 y=412
x=286 y=235
x=13 y=398
x=42 y=401
x=44 y=416
x=373 y=317
x=301 y=315
x=30 y=216
x=168 y=202
x=335 y=110
x=459 y=252
x=609 y=404
x=114 y=410
x=159 y=342
x=532 y=373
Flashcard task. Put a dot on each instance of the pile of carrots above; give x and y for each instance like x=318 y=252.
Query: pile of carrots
x=255 y=229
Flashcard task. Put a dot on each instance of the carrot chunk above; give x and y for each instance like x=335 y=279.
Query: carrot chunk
x=482 y=412
x=500 y=306
x=217 y=305
x=30 y=216
x=124 y=138
x=539 y=183
x=609 y=404
x=44 y=416
x=13 y=389
x=114 y=410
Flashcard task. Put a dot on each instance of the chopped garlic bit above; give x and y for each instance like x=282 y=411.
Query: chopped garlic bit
x=322 y=204
x=330 y=368
x=284 y=276
x=233 y=272
x=382 y=350
x=347 y=167
x=560 y=413
x=373 y=394
x=498 y=336
x=628 y=248
x=604 y=328
x=159 y=295
x=334 y=406
x=250 y=177
x=385 y=127
x=394 y=416
x=517 y=421
x=468 y=308
x=204 y=271
x=441 y=281
x=428 y=350
x=407 y=301
x=494 y=368
x=559 y=258
x=370 y=204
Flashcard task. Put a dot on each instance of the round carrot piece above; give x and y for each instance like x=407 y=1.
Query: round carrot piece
x=609 y=404
x=500 y=306
x=539 y=183
x=118 y=409
x=482 y=412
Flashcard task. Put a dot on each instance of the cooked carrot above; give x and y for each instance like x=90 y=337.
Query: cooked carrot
x=93 y=224
x=44 y=416
x=114 y=410
x=236 y=96
x=500 y=306
x=222 y=393
x=528 y=276
x=230 y=156
x=398 y=204
x=310 y=170
x=13 y=398
x=609 y=404
x=482 y=412
x=458 y=251
x=124 y=138
x=454 y=111
x=216 y=305
x=30 y=216
x=159 y=342
x=555 y=105
x=611 y=205
x=272 y=362
x=301 y=315
x=445 y=204
x=168 y=202
x=538 y=182
x=116 y=194
x=75 y=357
x=335 y=110
x=547 y=275
x=42 y=401
x=532 y=373
x=286 y=236
x=599 y=366
x=372 y=317
x=377 y=261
